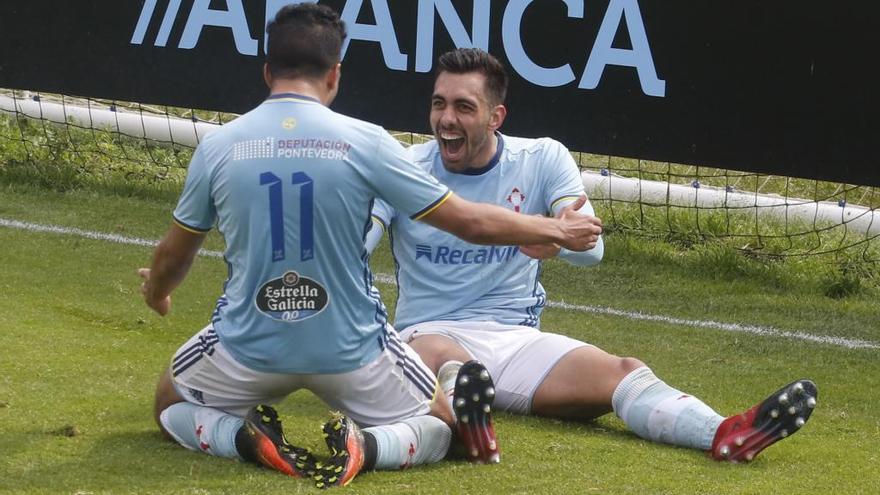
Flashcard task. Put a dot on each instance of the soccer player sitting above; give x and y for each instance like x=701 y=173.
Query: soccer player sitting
x=290 y=185
x=460 y=302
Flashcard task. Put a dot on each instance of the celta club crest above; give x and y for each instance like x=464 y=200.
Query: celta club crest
x=516 y=198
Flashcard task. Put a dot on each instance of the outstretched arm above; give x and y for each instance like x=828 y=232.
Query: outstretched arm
x=482 y=223
x=171 y=262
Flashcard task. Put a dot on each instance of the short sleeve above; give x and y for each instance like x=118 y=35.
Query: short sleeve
x=402 y=185
x=195 y=209
x=383 y=212
x=562 y=183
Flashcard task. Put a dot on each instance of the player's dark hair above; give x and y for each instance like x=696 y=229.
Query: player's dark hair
x=465 y=60
x=305 y=40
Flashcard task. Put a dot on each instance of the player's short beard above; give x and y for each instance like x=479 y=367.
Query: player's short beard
x=473 y=146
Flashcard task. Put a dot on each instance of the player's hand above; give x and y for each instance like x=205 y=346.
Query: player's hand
x=161 y=306
x=581 y=231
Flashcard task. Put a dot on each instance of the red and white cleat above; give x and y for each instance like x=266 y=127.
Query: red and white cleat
x=472 y=400
x=740 y=438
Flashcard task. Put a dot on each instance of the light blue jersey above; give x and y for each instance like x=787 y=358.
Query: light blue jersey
x=442 y=277
x=290 y=185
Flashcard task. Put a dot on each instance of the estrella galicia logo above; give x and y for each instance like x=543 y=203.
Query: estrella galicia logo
x=444 y=255
x=291 y=298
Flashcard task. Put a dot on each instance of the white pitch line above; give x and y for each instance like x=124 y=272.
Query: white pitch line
x=717 y=325
x=602 y=310
x=98 y=236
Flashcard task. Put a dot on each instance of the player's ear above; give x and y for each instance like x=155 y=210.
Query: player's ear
x=496 y=117
x=334 y=76
x=331 y=83
x=267 y=75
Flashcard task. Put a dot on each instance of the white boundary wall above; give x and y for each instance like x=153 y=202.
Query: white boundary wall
x=819 y=213
x=135 y=124
x=170 y=129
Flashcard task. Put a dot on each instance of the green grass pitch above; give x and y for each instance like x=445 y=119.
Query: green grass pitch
x=80 y=354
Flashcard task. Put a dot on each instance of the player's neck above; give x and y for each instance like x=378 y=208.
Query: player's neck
x=483 y=159
x=302 y=87
x=487 y=153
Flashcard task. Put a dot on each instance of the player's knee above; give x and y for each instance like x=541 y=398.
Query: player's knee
x=162 y=430
x=166 y=395
x=436 y=350
x=157 y=417
x=628 y=365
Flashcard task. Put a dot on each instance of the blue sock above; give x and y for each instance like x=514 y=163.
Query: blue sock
x=413 y=441
x=202 y=428
x=655 y=411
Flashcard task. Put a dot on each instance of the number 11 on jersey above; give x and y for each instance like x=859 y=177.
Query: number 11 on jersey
x=276 y=214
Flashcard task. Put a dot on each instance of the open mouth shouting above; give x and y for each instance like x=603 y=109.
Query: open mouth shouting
x=452 y=143
x=452 y=146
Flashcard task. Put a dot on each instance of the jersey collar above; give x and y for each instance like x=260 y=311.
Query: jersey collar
x=494 y=161
x=291 y=97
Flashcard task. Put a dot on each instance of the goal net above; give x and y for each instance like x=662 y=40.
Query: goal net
x=64 y=142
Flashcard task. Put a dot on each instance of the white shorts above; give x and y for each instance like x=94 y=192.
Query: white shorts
x=394 y=386
x=517 y=357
